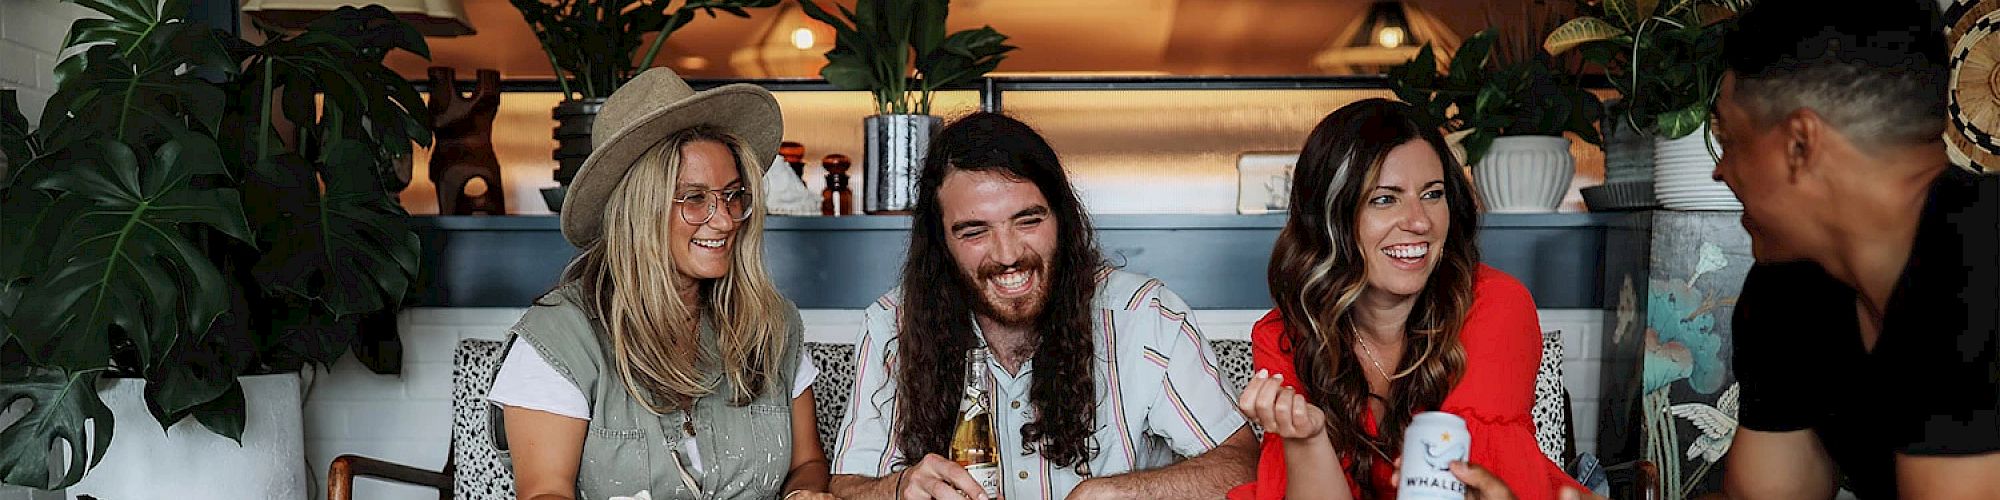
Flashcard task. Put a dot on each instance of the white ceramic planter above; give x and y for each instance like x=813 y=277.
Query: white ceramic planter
x=1682 y=175
x=189 y=461
x=1524 y=174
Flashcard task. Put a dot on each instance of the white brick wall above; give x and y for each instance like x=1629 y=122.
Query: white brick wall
x=31 y=36
x=407 y=418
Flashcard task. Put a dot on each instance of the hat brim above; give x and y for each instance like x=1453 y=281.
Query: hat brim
x=744 y=110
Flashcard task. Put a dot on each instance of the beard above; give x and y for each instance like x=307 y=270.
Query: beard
x=1020 y=311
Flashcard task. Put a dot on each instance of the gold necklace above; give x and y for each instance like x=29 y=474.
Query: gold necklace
x=1370 y=352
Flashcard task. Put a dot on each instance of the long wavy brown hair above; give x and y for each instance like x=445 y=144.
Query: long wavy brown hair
x=939 y=301
x=1317 y=276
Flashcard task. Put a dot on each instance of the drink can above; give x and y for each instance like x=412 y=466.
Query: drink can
x=1432 y=442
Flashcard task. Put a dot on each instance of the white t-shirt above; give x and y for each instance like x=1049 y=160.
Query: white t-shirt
x=528 y=381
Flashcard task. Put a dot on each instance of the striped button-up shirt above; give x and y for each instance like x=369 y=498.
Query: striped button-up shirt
x=1160 y=398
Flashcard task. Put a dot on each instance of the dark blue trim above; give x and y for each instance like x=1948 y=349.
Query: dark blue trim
x=1214 y=261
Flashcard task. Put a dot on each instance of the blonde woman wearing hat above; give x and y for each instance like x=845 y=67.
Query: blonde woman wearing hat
x=665 y=364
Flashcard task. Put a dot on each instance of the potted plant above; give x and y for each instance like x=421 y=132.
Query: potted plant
x=186 y=227
x=876 y=47
x=591 y=45
x=1510 y=111
x=1665 y=60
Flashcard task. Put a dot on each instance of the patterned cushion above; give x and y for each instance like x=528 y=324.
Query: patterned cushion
x=1233 y=356
x=480 y=470
x=830 y=390
x=1550 y=412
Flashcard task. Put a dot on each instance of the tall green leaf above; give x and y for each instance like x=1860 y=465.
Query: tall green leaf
x=123 y=265
x=225 y=414
x=1629 y=13
x=16 y=140
x=962 y=57
x=182 y=386
x=65 y=410
x=24 y=229
x=350 y=247
x=139 y=29
x=928 y=32
x=1472 y=55
x=372 y=30
x=1579 y=31
x=140 y=100
x=1681 y=122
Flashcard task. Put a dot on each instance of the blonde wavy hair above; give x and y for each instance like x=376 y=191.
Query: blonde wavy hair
x=628 y=277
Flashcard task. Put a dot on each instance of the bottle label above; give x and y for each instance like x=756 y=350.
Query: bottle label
x=988 y=476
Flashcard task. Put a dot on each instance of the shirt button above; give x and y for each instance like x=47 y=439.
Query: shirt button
x=1016 y=404
x=1023 y=475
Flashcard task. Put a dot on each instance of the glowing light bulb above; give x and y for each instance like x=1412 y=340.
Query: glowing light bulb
x=1389 y=37
x=802 y=38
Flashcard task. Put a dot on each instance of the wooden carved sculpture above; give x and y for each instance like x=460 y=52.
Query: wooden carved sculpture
x=464 y=150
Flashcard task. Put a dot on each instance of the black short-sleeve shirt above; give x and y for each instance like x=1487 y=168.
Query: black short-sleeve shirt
x=1931 y=386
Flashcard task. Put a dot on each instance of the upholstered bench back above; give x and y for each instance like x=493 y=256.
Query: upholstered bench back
x=481 y=470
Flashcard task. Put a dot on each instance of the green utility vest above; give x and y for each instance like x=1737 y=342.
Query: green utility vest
x=746 y=451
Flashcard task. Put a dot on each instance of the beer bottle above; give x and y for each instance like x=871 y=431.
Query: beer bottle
x=972 y=443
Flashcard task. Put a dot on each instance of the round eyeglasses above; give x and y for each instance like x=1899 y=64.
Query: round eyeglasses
x=698 y=206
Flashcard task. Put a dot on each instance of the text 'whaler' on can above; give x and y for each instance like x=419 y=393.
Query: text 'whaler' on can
x=1432 y=442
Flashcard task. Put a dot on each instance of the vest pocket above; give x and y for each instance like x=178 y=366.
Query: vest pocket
x=770 y=423
x=616 y=462
x=758 y=439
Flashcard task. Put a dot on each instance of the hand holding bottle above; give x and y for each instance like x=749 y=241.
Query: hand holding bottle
x=937 y=477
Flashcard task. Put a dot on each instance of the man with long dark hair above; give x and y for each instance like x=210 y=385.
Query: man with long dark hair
x=1102 y=385
x=1865 y=338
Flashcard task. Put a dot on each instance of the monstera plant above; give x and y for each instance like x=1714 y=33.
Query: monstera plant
x=191 y=208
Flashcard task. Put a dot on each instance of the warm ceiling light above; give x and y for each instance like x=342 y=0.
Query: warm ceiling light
x=1386 y=34
x=1389 y=37
x=694 y=63
x=1386 y=26
x=802 y=38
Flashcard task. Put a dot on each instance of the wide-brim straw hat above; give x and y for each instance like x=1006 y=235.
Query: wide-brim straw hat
x=643 y=112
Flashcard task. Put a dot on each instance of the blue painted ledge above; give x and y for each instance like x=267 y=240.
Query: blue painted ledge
x=1215 y=261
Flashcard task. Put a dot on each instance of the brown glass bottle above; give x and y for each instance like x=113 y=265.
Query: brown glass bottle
x=836 y=199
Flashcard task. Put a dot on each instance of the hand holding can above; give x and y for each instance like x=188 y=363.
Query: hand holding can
x=1431 y=443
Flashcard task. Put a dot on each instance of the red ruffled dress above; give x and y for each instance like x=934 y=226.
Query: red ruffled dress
x=1503 y=350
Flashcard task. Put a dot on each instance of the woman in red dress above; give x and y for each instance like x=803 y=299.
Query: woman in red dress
x=1383 y=312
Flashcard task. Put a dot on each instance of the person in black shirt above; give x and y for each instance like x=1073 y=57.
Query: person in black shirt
x=1865 y=339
